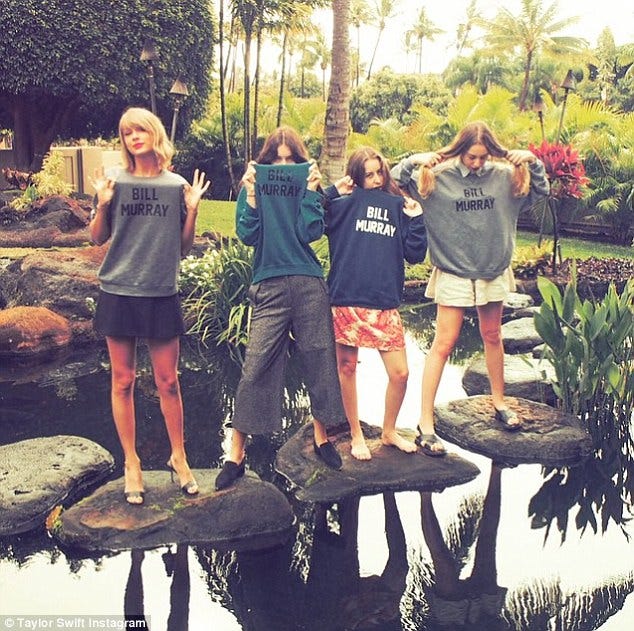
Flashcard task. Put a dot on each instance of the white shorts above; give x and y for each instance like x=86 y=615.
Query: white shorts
x=453 y=291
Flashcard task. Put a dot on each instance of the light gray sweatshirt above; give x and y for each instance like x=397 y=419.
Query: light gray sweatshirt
x=471 y=218
x=146 y=218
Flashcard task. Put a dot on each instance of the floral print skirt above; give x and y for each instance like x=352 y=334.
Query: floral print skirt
x=369 y=328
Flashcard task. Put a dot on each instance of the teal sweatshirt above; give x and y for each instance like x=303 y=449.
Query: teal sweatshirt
x=286 y=219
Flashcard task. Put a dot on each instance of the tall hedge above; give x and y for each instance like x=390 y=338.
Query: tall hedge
x=69 y=67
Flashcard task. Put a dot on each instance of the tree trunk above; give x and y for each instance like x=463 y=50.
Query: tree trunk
x=527 y=72
x=256 y=90
x=36 y=123
x=280 y=101
x=223 y=104
x=337 y=124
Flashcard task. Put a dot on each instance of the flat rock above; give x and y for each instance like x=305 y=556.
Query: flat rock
x=520 y=335
x=389 y=469
x=30 y=331
x=252 y=514
x=548 y=436
x=40 y=473
x=524 y=376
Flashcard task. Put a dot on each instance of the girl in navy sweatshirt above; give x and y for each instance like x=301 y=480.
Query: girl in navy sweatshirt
x=371 y=231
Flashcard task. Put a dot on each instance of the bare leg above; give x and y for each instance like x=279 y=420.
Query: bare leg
x=164 y=357
x=448 y=325
x=490 y=322
x=122 y=351
x=347 y=358
x=397 y=371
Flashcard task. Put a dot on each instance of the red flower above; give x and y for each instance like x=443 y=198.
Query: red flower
x=565 y=170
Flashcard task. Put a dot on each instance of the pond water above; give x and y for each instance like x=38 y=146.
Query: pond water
x=496 y=553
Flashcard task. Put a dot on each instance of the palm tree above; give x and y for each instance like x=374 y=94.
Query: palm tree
x=422 y=29
x=337 y=123
x=385 y=9
x=359 y=12
x=533 y=31
x=464 y=29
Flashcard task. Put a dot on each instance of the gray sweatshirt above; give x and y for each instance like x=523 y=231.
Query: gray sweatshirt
x=471 y=218
x=146 y=218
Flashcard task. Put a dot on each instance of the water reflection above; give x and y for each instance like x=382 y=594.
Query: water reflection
x=475 y=601
x=436 y=562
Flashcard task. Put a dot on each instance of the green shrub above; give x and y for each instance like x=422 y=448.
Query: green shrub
x=590 y=346
x=216 y=305
x=49 y=181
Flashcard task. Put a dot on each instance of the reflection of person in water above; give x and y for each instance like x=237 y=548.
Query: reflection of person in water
x=176 y=566
x=475 y=602
x=354 y=602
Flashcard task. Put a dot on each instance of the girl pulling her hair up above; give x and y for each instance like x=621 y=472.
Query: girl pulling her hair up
x=472 y=192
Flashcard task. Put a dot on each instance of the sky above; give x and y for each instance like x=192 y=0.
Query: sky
x=594 y=16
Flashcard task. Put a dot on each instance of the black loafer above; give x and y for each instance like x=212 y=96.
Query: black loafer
x=508 y=419
x=229 y=474
x=328 y=454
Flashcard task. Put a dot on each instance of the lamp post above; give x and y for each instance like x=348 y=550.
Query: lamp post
x=149 y=56
x=180 y=92
x=538 y=108
x=568 y=84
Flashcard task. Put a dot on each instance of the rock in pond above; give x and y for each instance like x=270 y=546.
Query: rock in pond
x=251 y=514
x=547 y=436
x=40 y=473
x=389 y=469
x=524 y=376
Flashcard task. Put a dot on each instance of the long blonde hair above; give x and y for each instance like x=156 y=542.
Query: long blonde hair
x=475 y=133
x=140 y=118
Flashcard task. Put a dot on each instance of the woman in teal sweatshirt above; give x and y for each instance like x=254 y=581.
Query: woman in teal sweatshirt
x=279 y=213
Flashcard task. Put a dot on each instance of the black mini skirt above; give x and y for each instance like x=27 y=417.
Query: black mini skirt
x=135 y=316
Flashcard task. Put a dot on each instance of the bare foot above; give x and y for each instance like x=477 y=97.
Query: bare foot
x=396 y=440
x=359 y=449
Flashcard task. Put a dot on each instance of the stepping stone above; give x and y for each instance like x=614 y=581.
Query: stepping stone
x=40 y=473
x=520 y=336
x=524 y=377
x=548 y=436
x=251 y=514
x=390 y=469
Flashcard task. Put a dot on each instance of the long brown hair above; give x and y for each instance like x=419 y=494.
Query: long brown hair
x=475 y=133
x=356 y=169
x=284 y=135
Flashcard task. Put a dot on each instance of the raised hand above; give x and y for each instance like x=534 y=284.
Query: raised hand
x=194 y=191
x=314 y=176
x=104 y=187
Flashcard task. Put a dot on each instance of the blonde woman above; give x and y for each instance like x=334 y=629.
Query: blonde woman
x=149 y=215
x=472 y=192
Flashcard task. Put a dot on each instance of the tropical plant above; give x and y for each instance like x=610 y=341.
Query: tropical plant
x=49 y=181
x=591 y=348
x=567 y=178
x=534 y=31
x=384 y=10
x=215 y=287
x=422 y=29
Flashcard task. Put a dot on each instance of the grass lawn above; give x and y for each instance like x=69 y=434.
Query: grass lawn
x=219 y=216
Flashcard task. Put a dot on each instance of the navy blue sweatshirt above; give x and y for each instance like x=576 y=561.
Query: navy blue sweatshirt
x=369 y=238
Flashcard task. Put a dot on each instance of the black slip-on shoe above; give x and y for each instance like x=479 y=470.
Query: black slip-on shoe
x=328 y=454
